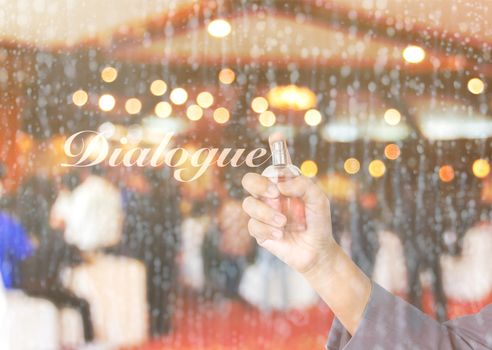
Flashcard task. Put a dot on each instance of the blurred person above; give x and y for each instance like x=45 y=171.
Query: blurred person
x=61 y=208
x=92 y=212
x=371 y=317
x=151 y=234
x=194 y=229
x=15 y=245
x=41 y=272
x=234 y=244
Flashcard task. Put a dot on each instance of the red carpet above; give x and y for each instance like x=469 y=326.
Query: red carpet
x=232 y=325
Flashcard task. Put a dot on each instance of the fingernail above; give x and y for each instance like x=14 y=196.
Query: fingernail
x=277 y=234
x=272 y=191
x=279 y=219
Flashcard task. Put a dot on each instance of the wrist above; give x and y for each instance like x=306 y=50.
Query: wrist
x=324 y=265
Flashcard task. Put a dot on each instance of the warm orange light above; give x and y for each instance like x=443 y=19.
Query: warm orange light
x=267 y=118
x=205 y=99
x=227 y=76
x=413 y=54
x=163 y=109
x=219 y=28
x=194 y=112
x=392 y=151
x=377 y=168
x=80 y=98
x=133 y=106
x=259 y=104
x=158 y=87
x=291 y=97
x=221 y=115
x=351 y=166
x=446 y=173
x=481 y=168
x=309 y=168
x=392 y=116
x=312 y=117
x=109 y=74
x=107 y=102
x=475 y=86
x=178 y=96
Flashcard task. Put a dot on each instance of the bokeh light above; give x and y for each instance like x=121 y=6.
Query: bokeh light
x=158 y=87
x=267 y=118
x=481 y=168
x=392 y=151
x=413 y=54
x=292 y=97
x=205 y=99
x=133 y=106
x=309 y=168
x=392 y=116
x=227 y=76
x=107 y=102
x=259 y=104
x=446 y=173
x=80 y=98
x=219 y=28
x=377 y=168
x=194 y=112
x=312 y=117
x=475 y=86
x=221 y=115
x=178 y=96
x=163 y=109
x=109 y=74
x=351 y=166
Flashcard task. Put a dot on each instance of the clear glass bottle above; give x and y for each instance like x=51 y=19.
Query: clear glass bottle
x=281 y=170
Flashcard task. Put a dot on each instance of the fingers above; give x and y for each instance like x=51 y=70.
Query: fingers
x=302 y=187
x=259 y=186
x=277 y=136
x=262 y=231
x=260 y=211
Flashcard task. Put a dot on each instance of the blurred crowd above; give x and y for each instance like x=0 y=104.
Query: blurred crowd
x=193 y=243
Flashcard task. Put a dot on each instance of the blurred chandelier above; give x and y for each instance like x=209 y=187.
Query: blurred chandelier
x=291 y=97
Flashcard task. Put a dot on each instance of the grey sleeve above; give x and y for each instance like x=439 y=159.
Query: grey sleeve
x=391 y=323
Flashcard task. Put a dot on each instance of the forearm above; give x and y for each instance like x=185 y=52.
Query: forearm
x=342 y=285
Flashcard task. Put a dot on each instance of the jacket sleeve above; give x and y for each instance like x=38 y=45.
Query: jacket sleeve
x=391 y=323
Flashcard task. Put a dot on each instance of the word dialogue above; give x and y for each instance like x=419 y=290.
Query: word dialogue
x=89 y=148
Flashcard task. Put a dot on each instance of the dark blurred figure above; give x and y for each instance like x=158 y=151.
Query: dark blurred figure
x=363 y=229
x=14 y=242
x=151 y=234
x=413 y=195
x=40 y=273
x=228 y=246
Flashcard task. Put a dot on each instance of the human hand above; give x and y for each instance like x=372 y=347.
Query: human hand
x=305 y=250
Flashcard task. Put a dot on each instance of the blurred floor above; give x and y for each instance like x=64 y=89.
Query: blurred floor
x=234 y=325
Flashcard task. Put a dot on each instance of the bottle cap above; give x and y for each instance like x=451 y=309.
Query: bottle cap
x=279 y=153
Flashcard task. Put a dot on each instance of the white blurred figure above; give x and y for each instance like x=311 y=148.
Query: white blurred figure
x=269 y=284
x=4 y=334
x=468 y=277
x=92 y=214
x=115 y=287
x=194 y=229
x=390 y=270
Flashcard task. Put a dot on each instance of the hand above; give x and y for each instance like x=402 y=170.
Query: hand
x=303 y=251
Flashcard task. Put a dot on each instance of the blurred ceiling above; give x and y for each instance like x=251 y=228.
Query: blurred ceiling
x=57 y=22
x=369 y=32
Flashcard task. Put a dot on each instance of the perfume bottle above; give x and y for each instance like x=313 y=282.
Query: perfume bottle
x=281 y=170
